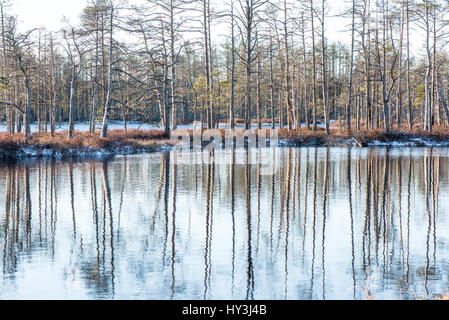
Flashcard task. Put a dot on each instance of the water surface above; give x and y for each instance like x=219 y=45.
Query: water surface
x=325 y=224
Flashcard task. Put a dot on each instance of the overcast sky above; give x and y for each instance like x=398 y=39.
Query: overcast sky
x=46 y=13
x=50 y=13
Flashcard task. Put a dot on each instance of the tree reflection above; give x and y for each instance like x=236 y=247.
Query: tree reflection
x=326 y=223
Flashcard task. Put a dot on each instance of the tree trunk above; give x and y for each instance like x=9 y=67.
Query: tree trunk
x=351 y=68
x=325 y=96
x=104 y=130
x=314 y=98
x=232 y=102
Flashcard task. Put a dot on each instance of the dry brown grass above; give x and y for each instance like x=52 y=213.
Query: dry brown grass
x=438 y=131
x=148 y=139
x=305 y=136
x=82 y=140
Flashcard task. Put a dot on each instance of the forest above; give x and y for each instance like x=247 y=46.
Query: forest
x=159 y=61
x=332 y=181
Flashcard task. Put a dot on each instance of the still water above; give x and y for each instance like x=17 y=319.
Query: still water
x=325 y=224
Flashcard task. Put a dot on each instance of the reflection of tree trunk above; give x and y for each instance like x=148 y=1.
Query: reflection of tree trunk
x=166 y=159
x=250 y=281
x=162 y=171
x=314 y=220
x=408 y=214
x=281 y=197
x=107 y=193
x=298 y=182
x=93 y=188
x=173 y=231
x=258 y=183
x=53 y=205
x=367 y=227
x=272 y=201
x=209 y=221
x=427 y=181
x=232 y=194
x=39 y=191
x=399 y=179
x=385 y=194
x=122 y=192
x=10 y=191
x=306 y=191
x=287 y=182
x=72 y=203
x=436 y=187
x=26 y=185
x=287 y=216
x=375 y=191
x=325 y=192
x=351 y=215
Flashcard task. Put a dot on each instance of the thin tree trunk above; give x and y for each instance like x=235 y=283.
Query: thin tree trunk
x=72 y=101
x=348 y=106
x=409 y=93
x=93 y=113
x=172 y=67
x=232 y=102
x=325 y=95
x=314 y=98
x=104 y=130
x=288 y=100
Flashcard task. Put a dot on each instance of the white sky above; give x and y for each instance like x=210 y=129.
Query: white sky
x=46 y=13
x=50 y=13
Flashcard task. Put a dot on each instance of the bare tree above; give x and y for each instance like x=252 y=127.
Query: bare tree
x=324 y=62
x=20 y=46
x=104 y=129
x=314 y=88
x=75 y=54
x=249 y=19
x=351 y=69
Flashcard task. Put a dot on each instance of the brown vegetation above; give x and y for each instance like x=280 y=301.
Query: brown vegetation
x=133 y=141
x=12 y=145
x=362 y=138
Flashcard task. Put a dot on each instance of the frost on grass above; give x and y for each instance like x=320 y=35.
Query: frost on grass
x=81 y=145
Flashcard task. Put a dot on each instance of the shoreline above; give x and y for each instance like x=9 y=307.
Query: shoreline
x=366 y=139
x=85 y=145
x=82 y=145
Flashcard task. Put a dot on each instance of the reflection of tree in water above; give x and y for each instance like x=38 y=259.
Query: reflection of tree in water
x=20 y=239
x=279 y=225
x=99 y=273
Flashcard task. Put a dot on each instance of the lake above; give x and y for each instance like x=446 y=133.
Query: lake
x=324 y=223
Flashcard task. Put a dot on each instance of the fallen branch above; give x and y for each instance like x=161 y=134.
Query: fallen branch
x=13 y=105
x=442 y=98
